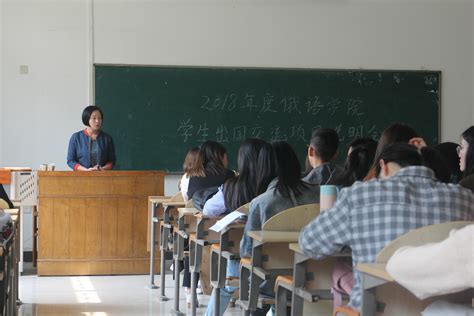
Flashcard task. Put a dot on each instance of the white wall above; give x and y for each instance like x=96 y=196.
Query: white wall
x=51 y=36
x=42 y=109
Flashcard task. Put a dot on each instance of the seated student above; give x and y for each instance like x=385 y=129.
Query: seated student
x=286 y=191
x=256 y=168
x=359 y=160
x=210 y=170
x=448 y=151
x=241 y=189
x=322 y=150
x=188 y=163
x=466 y=158
x=369 y=215
x=4 y=199
x=395 y=133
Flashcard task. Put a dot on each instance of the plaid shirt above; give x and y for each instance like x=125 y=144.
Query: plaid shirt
x=369 y=215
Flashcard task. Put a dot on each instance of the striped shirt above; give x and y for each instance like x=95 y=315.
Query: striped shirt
x=369 y=215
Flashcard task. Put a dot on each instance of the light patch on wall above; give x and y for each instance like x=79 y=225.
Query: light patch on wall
x=23 y=69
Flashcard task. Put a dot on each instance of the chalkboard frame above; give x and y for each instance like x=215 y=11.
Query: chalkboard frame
x=438 y=73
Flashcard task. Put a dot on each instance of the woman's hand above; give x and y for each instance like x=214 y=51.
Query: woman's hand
x=418 y=142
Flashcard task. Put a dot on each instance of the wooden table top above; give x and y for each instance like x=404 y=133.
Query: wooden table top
x=274 y=236
x=177 y=204
x=375 y=269
x=296 y=248
x=158 y=199
x=183 y=211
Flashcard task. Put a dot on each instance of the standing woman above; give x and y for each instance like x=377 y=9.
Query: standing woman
x=466 y=158
x=91 y=149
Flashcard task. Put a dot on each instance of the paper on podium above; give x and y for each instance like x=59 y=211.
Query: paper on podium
x=227 y=220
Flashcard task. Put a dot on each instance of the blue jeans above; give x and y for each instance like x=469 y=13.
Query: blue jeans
x=225 y=293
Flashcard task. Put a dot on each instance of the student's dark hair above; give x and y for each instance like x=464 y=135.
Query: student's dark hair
x=363 y=142
x=356 y=167
x=190 y=159
x=450 y=156
x=288 y=170
x=325 y=142
x=395 y=133
x=433 y=160
x=402 y=154
x=87 y=112
x=243 y=188
x=209 y=161
x=468 y=136
x=267 y=167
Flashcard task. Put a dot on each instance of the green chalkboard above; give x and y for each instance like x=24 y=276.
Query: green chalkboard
x=155 y=114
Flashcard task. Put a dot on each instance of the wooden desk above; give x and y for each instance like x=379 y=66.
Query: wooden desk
x=221 y=254
x=204 y=237
x=375 y=269
x=5 y=173
x=94 y=222
x=262 y=237
x=378 y=286
x=311 y=282
x=168 y=219
x=154 y=203
x=184 y=226
x=262 y=268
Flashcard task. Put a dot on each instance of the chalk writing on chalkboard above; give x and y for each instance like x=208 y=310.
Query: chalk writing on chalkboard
x=189 y=131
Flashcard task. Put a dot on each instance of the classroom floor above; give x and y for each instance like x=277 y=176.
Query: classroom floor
x=100 y=296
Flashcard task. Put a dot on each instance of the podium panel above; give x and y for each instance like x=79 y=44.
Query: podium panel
x=93 y=223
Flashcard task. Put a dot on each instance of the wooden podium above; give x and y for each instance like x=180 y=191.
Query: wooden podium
x=93 y=223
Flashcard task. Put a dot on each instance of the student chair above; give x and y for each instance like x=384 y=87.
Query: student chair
x=271 y=259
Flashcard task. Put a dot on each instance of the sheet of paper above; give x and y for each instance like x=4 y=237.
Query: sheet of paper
x=226 y=221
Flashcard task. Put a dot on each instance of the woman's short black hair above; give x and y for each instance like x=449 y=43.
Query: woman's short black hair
x=325 y=142
x=87 y=112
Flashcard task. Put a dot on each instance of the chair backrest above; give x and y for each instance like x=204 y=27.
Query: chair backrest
x=419 y=237
x=177 y=197
x=292 y=219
